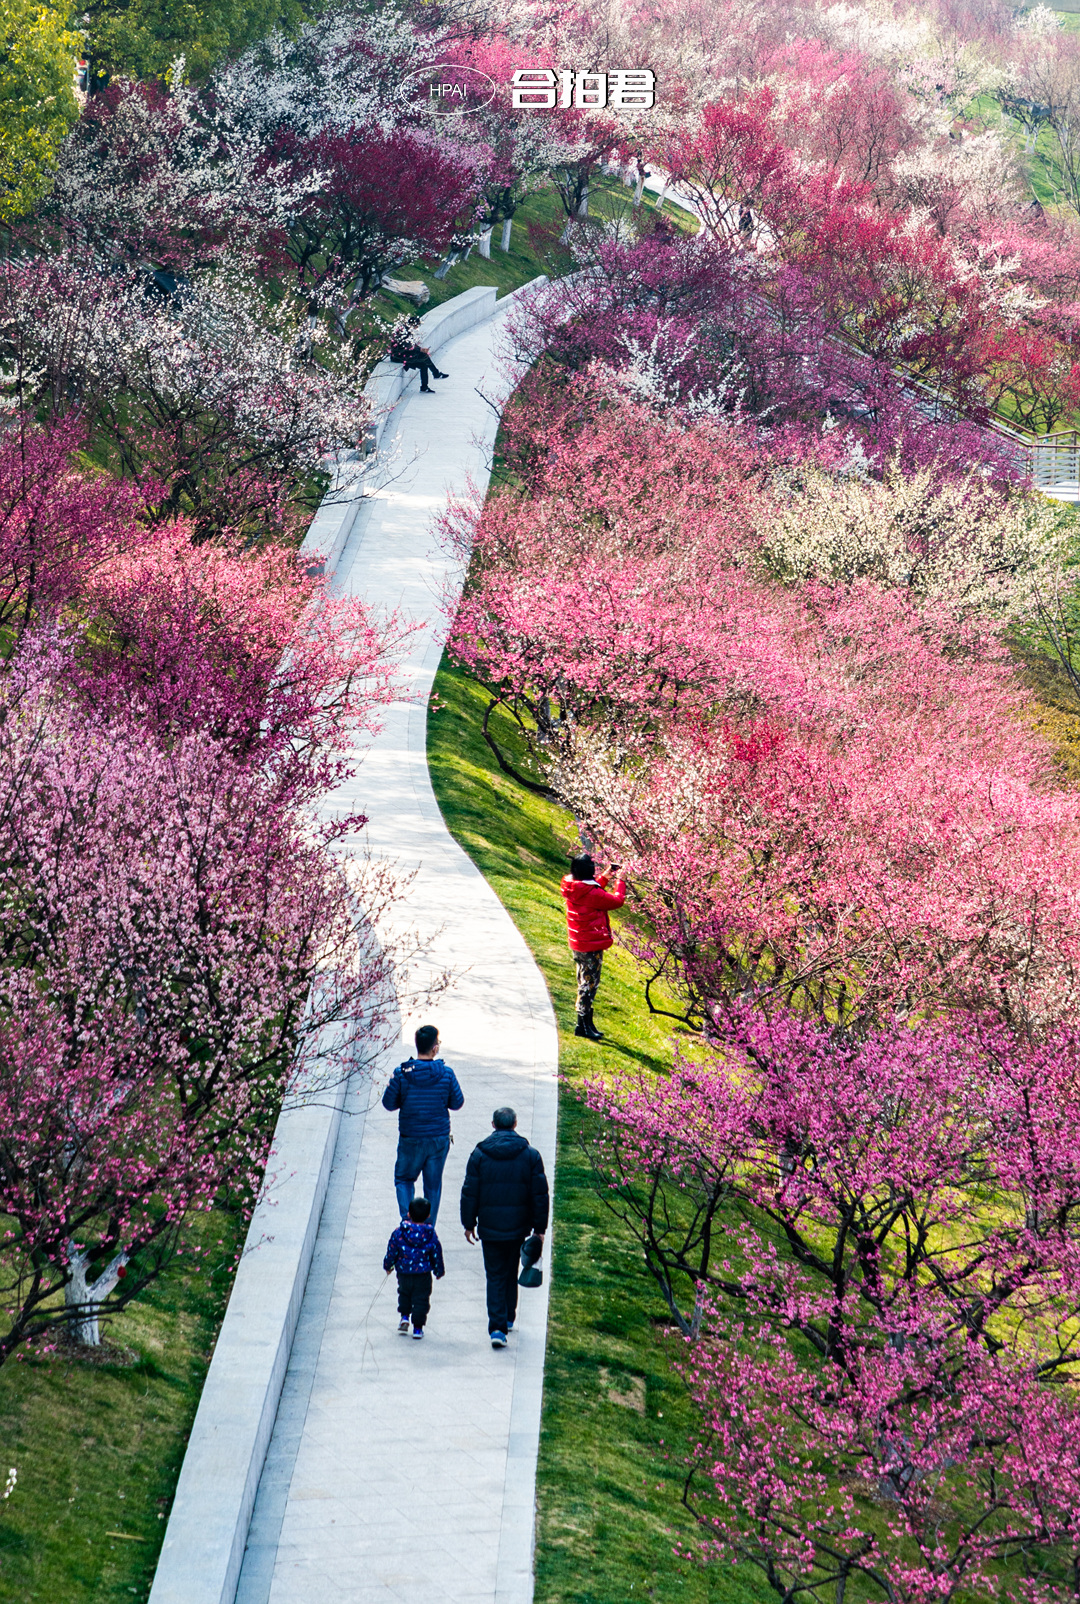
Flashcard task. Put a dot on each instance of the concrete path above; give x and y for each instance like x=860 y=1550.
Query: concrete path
x=404 y=1470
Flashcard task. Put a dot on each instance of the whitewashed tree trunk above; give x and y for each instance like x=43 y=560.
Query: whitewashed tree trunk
x=661 y=192
x=639 y=190
x=483 y=244
x=504 y=243
x=444 y=267
x=583 y=209
x=88 y=1298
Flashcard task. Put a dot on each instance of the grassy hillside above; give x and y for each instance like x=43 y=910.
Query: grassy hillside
x=616 y=1423
x=98 y=1445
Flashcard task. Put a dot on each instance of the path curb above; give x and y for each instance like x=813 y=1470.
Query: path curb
x=335 y=520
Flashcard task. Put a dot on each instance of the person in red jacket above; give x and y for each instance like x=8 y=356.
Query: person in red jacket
x=589 y=931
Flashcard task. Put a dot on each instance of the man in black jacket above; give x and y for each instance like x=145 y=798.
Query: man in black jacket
x=504 y=1200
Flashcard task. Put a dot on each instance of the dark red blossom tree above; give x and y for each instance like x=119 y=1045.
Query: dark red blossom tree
x=381 y=199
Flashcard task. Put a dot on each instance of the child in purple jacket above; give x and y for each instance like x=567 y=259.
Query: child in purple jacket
x=414 y=1251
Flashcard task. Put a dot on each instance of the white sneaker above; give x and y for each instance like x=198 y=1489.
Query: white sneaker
x=403 y=1328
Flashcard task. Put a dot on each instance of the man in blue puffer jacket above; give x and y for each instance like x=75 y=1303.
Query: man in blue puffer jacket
x=425 y=1090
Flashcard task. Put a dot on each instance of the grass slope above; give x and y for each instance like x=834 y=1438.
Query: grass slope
x=98 y=1446
x=508 y=270
x=616 y=1422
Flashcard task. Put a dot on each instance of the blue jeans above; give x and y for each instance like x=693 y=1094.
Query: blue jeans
x=416 y=1154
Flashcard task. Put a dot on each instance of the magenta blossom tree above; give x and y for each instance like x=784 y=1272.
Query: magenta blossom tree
x=57 y=525
x=383 y=199
x=874 y=1249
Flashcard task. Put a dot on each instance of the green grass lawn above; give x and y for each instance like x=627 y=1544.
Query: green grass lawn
x=98 y=1446
x=508 y=270
x=616 y=1421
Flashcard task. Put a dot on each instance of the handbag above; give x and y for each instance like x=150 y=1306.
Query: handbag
x=531 y=1274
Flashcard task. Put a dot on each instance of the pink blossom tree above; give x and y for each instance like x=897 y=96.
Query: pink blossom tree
x=763 y=756
x=178 y=940
x=183 y=948
x=245 y=644
x=872 y=1247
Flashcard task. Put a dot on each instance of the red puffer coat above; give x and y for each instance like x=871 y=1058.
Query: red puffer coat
x=587 y=904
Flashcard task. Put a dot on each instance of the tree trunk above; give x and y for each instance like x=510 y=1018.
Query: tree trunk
x=583 y=208
x=88 y=1298
x=504 y=243
x=483 y=244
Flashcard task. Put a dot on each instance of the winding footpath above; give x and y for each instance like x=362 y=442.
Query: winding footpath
x=382 y=1469
x=398 y=1469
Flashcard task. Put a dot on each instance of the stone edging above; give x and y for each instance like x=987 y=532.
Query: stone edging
x=207 y=1530
x=333 y=523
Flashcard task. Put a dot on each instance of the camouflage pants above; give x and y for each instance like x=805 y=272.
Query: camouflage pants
x=589 y=965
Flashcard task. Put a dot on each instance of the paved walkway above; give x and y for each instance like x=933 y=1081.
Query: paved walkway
x=401 y=1470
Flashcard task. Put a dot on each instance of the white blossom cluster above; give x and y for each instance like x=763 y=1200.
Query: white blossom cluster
x=979 y=170
x=340 y=72
x=220 y=350
x=652 y=376
x=954 y=543
x=203 y=154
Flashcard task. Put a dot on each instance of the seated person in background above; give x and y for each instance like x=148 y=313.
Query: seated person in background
x=415 y=358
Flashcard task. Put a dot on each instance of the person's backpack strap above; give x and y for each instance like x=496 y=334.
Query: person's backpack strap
x=404 y=1080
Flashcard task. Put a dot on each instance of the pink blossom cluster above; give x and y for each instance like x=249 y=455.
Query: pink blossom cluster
x=880 y=1242
x=182 y=947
